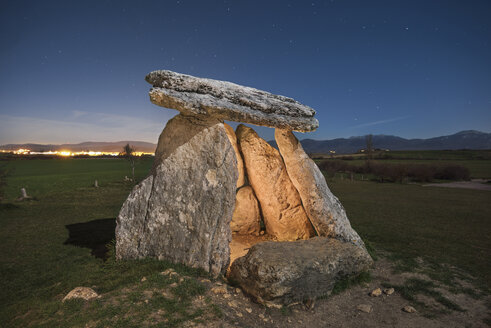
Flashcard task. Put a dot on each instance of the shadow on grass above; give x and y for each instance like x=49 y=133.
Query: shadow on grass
x=95 y=234
x=8 y=206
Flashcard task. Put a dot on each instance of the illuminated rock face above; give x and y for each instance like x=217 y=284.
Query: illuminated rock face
x=247 y=217
x=182 y=211
x=283 y=213
x=323 y=208
x=240 y=163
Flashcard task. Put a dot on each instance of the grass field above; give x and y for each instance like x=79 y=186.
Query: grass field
x=479 y=169
x=442 y=225
x=443 y=154
x=477 y=161
x=42 y=176
x=423 y=155
x=38 y=266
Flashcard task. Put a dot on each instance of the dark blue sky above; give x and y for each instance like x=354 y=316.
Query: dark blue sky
x=74 y=71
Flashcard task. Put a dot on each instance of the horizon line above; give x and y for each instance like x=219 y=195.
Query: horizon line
x=155 y=143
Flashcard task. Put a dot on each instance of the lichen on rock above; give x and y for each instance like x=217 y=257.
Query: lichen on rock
x=228 y=101
x=182 y=211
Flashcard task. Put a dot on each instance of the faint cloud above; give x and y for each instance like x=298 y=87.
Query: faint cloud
x=78 y=113
x=81 y=126
x=390 y=120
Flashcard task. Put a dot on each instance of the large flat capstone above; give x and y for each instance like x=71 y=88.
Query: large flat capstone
x=228 y=101
x=281 y=273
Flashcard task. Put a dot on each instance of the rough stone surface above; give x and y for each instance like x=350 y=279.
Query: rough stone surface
x=247 y=217
x=376 y=292
x=389 y=291
x=182 y=211
x=85 y=293
x=177 y=132
x=228 y=101
x=367 y=308
x=241 y=180
x=409 y=309
x=283 y=214
x=310 y=270
x=323 y=208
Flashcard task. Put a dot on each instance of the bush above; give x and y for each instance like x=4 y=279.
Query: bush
x=421 y=172
x=388 y=172
x=3 y=181
x=385 y=172
x=333 y=166
x=452 y=172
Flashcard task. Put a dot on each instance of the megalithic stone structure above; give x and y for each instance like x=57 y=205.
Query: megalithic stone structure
x=228 y=101
x=182 y=211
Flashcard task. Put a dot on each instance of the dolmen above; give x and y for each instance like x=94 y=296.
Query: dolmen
x=208 y=181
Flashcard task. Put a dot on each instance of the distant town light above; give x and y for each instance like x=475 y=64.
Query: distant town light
x=22 y=151
x=67 y=153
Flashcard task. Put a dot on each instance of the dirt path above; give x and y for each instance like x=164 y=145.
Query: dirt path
x=478 y=184
x=341 y=310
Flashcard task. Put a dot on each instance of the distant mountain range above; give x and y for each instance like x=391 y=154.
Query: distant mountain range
x=463 y=140
x=117 y=146
x=469 y=139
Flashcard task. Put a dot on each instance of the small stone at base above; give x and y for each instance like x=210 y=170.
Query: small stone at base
x=389 y=291
x=376 y=292
x=409 y=309
x=364 y=308
x=219 y=290
x=85 y=293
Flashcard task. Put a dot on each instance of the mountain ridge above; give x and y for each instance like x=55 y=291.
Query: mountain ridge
x=467 y=139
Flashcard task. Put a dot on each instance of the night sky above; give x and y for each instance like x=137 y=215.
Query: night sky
x=73 y=71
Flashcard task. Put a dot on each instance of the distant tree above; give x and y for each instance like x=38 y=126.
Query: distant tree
x=129 y=153
x=3 y=181
x=369 y=142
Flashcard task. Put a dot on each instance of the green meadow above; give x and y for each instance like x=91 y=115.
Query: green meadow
x=52 y=244
x=477 y=161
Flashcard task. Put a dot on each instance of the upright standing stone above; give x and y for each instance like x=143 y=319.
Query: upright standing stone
x=247 y=217
x=182 y=211
x=282 y=209
x=240 y=163
x=23 y=193
x=323 y=208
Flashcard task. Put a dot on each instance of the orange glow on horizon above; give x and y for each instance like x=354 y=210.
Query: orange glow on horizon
x=67 y=153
